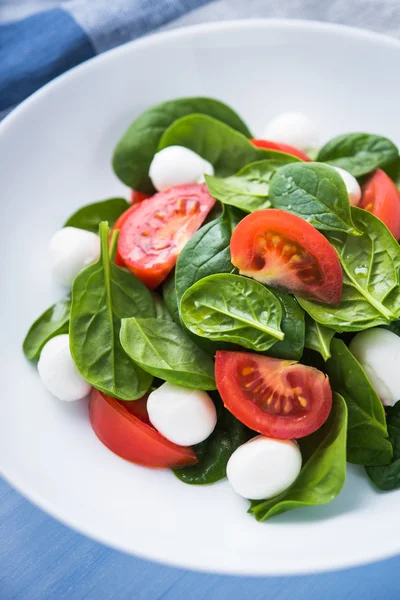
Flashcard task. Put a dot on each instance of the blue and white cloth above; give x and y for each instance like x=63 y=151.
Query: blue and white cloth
x=39 y=39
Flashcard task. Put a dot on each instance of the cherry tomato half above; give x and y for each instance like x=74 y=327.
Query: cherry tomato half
x=153 y=235
x=281 y=148
x=128 y=436
x=278 y=398
x=281 y=249
x=380 y=196
x=137 y=197
x=118 y=225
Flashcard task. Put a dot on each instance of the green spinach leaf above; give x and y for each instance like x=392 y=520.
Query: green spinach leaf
x=160 y=308
x=318 y=337
x=170 y=298
x=370 y=264
x=293 y=327
x=163 y=349
x=367 y=434
x=358 y=153
x=207 y=252
x=54 y=321
x=226 y=149
x=89 y=217
x=102 y=295
x=324 y=468
x=137 y=147
x=234 y=309
x=387 y=477
x=314 y=192
x=213 y=454
x=248 y=189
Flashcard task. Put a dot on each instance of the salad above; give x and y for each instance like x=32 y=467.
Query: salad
x=239 y=316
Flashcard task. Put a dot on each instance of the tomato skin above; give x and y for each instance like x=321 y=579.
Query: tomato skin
x=283 y=379
x=269 y=145
x=157 y=229
x=381 y=197
x=137 y=197
x=266 y=244
x=129 y=437
x=117 y=226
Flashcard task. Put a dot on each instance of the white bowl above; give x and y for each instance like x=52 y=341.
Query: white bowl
x=55 y=156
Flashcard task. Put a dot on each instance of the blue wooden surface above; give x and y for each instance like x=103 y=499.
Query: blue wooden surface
x=40 y=559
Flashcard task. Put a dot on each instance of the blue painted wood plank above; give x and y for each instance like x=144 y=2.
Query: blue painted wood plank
x=40 y=559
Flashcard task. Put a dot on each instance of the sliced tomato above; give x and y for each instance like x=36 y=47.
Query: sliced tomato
x=153 y=235
x=137 y=197
x=281 y=249
x=380 y=196
x=128 y=436
x=269 y=145
x=278 y=398
x=117 y=226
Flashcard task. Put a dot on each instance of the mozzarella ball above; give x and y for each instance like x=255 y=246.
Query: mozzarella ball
x=352 y=186
x=264 y=467
x=177 y=165
x=58 y=372
x=182 y=415
x=294 y=129
x=378 y=352
x=71 y=250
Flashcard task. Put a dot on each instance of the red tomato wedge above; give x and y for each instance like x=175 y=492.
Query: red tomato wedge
x=127 y=435
x=281 y=148
x=153 y=235
x=281 y=249
x=138 y=196
x=278 y=398
x=117 y=226
x=380 y=196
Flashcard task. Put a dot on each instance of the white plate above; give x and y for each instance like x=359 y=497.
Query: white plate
x=55 y=156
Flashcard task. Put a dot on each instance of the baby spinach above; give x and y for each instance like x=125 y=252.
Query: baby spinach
x=89 y=217
x=137 y=147
x=226 y=149
x=248 y=189
x=314 y=192
x=387 y=477
x=324 y=468
x=163 y=349
x=160 y=308
x=318 y=337
x=207 y=252
x=213 y=454
x=292 y=326
x=102 y=295
x=54 y=321
x=370 y=264
x=367 y=434
x=234 y=309
x=358 y=153
x=170 y=298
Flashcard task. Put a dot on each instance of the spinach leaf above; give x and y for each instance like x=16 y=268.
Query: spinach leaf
x=160 y=308
x=318 y=337
x=170 y=298
x=370 y=264
x=54 y=321
x=163 y=349
x=394 y=327
x=393 y=170
x=102 y=295
x=213 y=454
x=137 y=147
x=234 y=309
x=292 y=326
x=358 y=153
x=387 y=477
x=367 y=442
x=314 y=192
x=207 y=252
x=324 y=468
x=248 y=189
x=89 y=217
x=226 y=149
